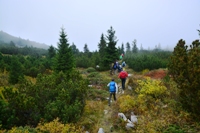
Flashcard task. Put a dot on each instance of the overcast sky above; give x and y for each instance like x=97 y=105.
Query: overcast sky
x=150 y=22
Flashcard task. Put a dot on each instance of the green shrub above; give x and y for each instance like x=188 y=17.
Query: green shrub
x=148 y=60
x=90 y=69
x=184 y=67
x=52 y=96
x=21 y=129
x=93 y=74
x=174 y=129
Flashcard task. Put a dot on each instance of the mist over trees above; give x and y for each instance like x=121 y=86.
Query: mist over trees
x=19 y=42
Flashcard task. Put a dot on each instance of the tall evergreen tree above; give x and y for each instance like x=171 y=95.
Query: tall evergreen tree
x=74 y=49
x=51 y=52
x=85 y=49
x=128 y=47
x=134 y=48
x=64 y=58
x=102 y=48
x=111 y=51
x=122 y=48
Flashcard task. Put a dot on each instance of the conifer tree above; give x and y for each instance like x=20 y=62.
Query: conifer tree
x=64 y=59
x=122 y=49
x=51 y=52
x=85 y=49
x=111 y=51
x=74 y=49
x=128 y=48
x=184 y=67
x=134 y=48
x=102 y=49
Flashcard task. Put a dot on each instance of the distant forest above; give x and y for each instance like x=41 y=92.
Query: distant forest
x=19 y=42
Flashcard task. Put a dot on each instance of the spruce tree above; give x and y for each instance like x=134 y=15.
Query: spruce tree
x=134 y=48
x=51 y=52
x=128 y=48
x=122 y=49
x=74 y=49
x=64 y=58
x=85 y=49
x=111 y=50
x=102 y=49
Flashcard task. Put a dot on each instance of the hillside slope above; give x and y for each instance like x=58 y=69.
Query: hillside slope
x=19 y=42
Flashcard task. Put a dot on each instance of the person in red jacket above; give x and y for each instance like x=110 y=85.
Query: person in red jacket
x=122 y=75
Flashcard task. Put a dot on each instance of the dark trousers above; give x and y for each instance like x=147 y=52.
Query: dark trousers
x=123 y=83
x=114 y=95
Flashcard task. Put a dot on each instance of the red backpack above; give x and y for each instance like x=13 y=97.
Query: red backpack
x=123 y=75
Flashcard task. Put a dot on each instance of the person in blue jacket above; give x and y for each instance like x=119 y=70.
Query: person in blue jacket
x=113 y=88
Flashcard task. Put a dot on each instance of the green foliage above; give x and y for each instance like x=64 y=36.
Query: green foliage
x=15 y=71
x=128 y=48
x=64 y=60
x=174 y=129
x=57 y=127
x=184 y=67
x=148 y=60
x=52 y=96
x=90 y=69
x=21 y=129
x=94 y=94
x=154 y=88
x=74 y=49
x=86 y=49
x=134 y=48
x=94 y=78
x=6 y=116
x=83 y=61
x=102 y=50
x=11 y=49
x=126 y=103
x=51 y=52
x=111 y=52
x=92 y=115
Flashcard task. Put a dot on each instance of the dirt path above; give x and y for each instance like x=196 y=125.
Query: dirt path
x=109 y=112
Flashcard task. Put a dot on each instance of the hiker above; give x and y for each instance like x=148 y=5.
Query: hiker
x=123 y=64
x=115 y=66
x=121 y=56
x=122 y=75
x=120 y=68
x=113 y=88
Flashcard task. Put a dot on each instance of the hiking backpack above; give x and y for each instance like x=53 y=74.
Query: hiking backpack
x=123 y=75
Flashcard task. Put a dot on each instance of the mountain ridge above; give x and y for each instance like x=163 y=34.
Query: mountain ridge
x=20 y=42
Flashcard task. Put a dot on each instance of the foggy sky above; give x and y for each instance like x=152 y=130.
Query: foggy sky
x=150 y=22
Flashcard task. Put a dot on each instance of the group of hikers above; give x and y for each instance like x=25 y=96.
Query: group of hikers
x=122 y=74
x=116 y=67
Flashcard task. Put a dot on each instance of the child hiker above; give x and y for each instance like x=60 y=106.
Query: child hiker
x=113 y=88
